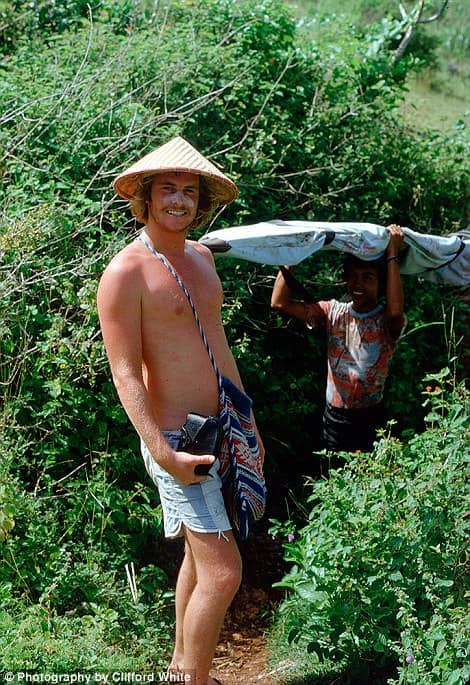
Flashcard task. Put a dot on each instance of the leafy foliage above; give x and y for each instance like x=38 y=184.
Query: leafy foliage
x=309 y=128
x=112 y=633
x=379 y=570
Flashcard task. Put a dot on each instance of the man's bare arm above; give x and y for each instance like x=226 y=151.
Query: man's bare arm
x=119 y=308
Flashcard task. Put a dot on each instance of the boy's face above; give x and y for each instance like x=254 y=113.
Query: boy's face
x=363 y=286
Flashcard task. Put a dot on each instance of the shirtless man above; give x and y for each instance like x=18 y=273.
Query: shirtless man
x=162 y=372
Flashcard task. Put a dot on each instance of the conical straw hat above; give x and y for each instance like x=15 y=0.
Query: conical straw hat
x=176 y=155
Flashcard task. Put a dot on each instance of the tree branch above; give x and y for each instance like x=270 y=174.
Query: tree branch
x=415 y=18
x=438 y=14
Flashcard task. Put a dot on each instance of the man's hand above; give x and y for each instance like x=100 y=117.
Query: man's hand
x=182 y=466
x=262 y=451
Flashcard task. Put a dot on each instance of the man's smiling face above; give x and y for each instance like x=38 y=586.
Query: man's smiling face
x=174 y=199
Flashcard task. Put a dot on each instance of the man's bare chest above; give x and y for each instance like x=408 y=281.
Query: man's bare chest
x=164 y=301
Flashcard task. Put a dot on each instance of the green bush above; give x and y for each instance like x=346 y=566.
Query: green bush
x=123 y=637
x=24 y=20
x=378 y=582
x=451 y=31
x=233 y=76
x=309 y=128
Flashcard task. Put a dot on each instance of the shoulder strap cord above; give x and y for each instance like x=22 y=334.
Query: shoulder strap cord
x=180 y=282
x=226 y=473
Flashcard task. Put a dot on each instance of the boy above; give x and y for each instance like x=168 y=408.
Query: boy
x=362 y=335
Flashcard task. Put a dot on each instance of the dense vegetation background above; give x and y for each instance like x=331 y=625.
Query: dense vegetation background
x=308 y=118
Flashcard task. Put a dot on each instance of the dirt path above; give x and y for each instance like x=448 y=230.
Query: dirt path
x=241 y=653
x=241 y=656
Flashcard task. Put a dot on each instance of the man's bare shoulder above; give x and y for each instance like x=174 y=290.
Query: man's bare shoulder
x=126 y=264
x=201 y=249
x=123 y=279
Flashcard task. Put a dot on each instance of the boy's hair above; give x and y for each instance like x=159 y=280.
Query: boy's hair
x=379 y=265
x=207 y=204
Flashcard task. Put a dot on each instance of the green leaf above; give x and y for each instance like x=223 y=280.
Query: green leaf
x=444 y=582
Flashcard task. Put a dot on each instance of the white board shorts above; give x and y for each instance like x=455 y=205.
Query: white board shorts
x=199 y=506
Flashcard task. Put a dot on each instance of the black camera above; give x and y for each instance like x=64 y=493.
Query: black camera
x=202 y=435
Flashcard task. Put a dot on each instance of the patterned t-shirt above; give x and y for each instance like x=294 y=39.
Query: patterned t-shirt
x=359 y=352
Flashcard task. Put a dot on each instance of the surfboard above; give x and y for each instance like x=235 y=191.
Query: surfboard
x=442 y=259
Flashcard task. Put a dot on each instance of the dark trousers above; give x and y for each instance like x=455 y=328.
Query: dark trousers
x=349 y=430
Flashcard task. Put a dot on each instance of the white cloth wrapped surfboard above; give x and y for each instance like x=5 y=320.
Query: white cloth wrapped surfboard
x=442 y=259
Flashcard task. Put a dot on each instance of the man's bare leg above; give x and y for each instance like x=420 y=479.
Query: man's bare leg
x=217 y=564
x=184 y=588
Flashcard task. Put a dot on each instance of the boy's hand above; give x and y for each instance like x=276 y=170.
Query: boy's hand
x=396 y=242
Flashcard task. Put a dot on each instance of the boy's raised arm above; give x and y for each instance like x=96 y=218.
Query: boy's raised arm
x=283 y=300
x=394 y=292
